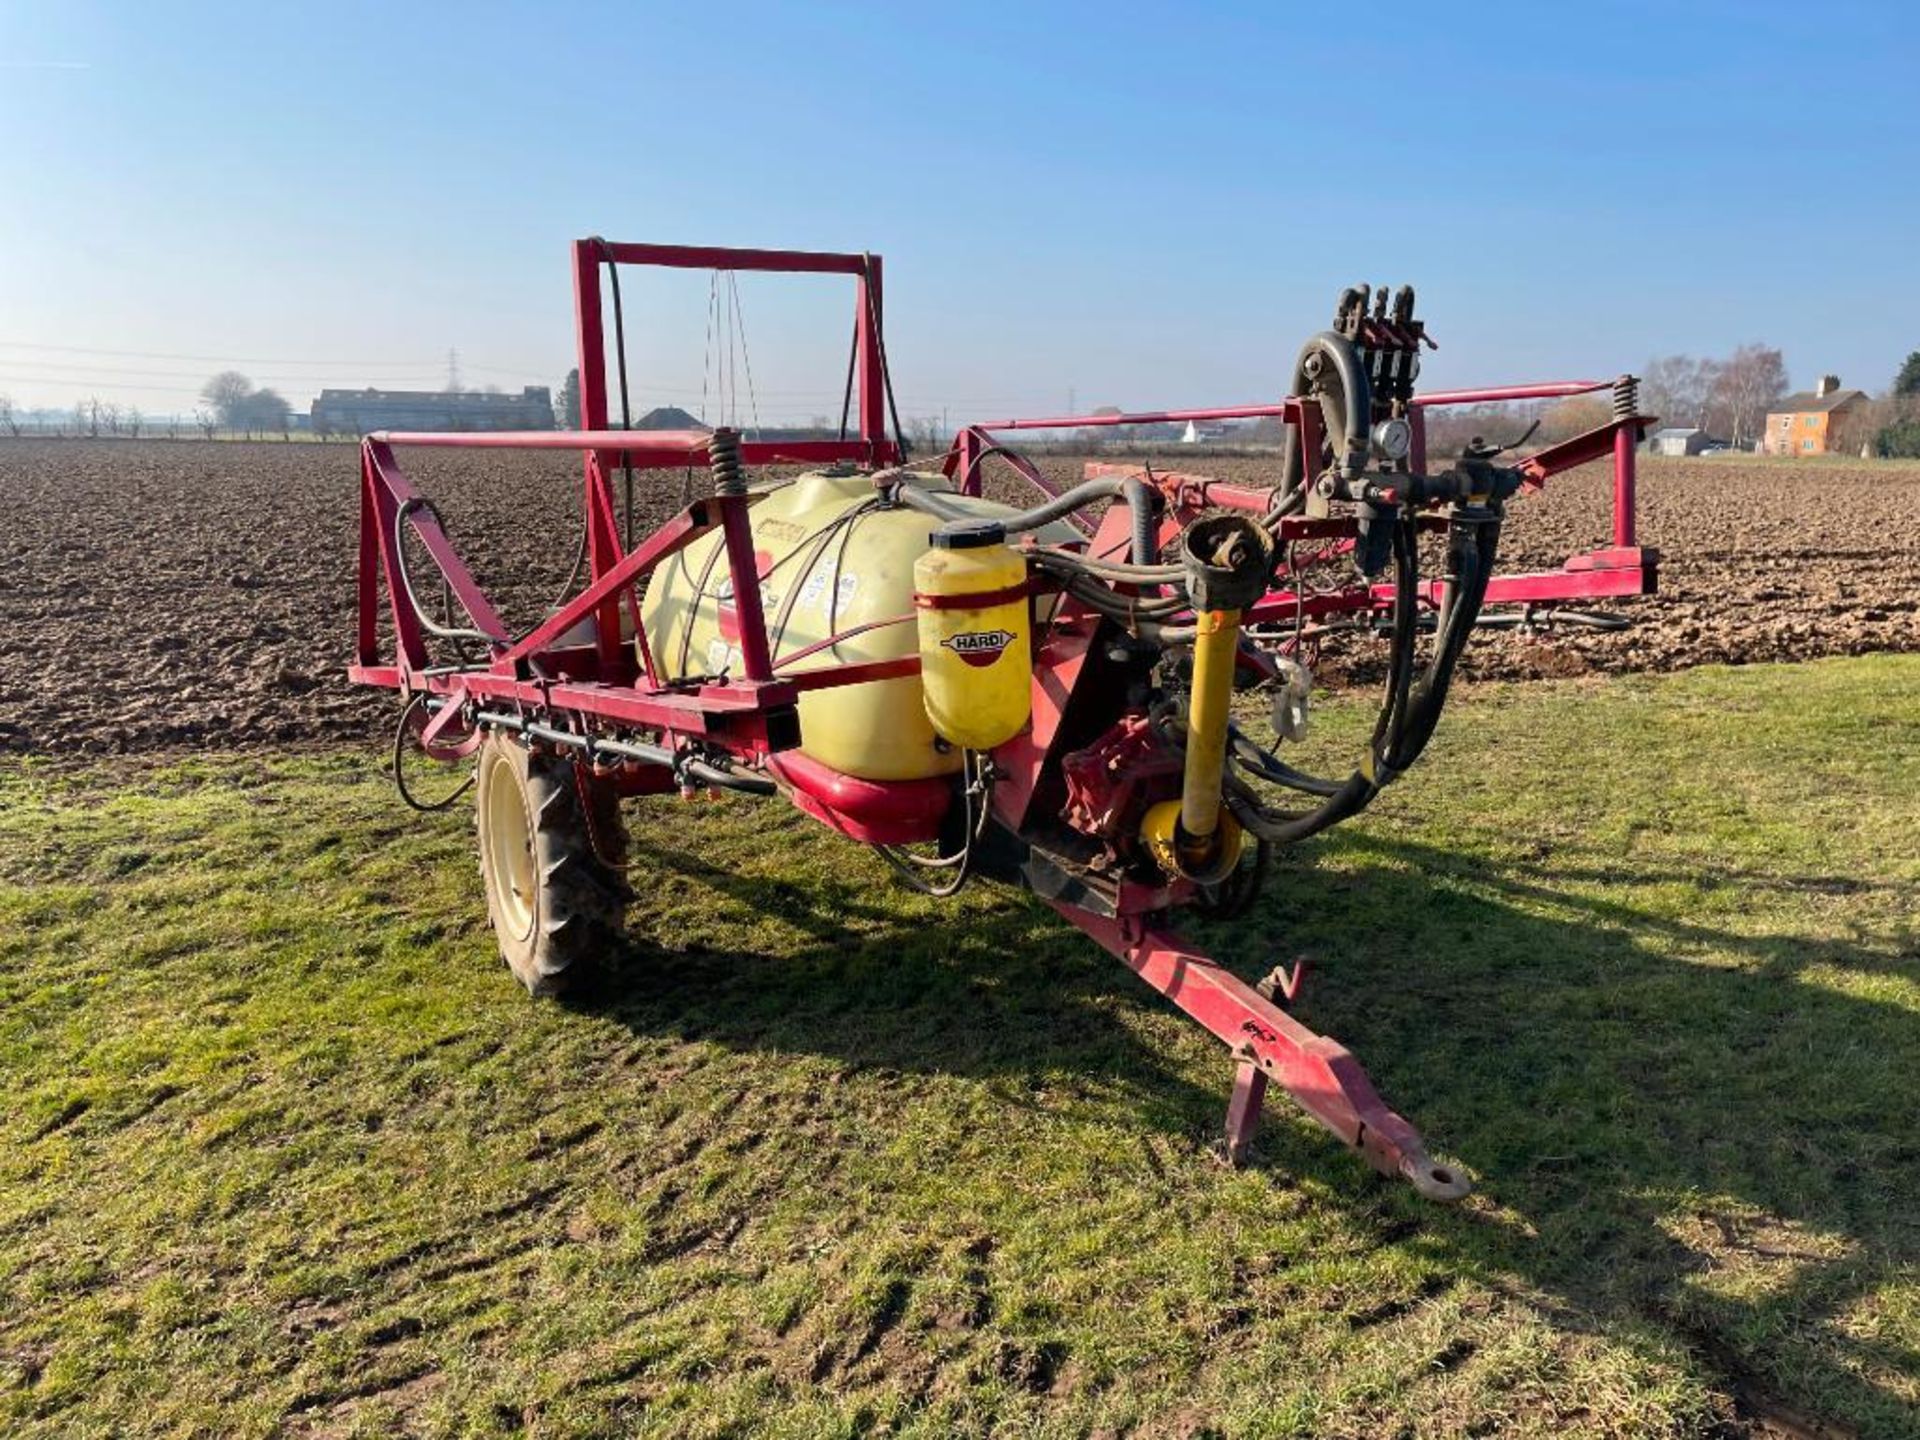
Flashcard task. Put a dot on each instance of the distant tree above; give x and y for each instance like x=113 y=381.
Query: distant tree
x=92 y=417
x=1748 y=383
x=1573 y=416
x=1899 y=441
x=264 y=412
x=8 y=420
x=566 y=405
x=1675 y=388
x=133 y=420
x=923 y=431
x=228 y=393
x=110 y=417
x=207 y=420
x=1907 y=382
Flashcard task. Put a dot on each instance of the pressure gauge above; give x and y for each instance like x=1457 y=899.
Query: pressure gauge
x=1393 y=438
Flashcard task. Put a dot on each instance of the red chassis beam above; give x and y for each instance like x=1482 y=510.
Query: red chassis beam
x=539 y=671
x=607 y=681
x=1320 y=1074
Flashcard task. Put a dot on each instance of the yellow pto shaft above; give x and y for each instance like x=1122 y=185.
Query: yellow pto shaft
x=1228 y=558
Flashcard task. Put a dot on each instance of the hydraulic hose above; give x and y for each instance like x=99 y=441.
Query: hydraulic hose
x=1408 y=719
x=444 y=632
x=1146 y=529
x=1354 y=416
x=1087 y=492
x=1346 y=798
x=1472 y=567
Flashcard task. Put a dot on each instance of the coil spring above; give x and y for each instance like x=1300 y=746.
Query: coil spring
x=723 y=462
x=1626 y=397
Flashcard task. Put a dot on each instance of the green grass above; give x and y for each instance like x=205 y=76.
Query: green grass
x=284 y=1150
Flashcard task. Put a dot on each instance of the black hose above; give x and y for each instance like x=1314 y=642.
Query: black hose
x=1138 y=495
x=1263 y=764
x=1146 y=528
x=1345 y=798
x=427 y=623
x=1045 y=513
x=1355 y=413
x=1480 y=542
x=880 y=350
x=959 y=865
x=400 y=736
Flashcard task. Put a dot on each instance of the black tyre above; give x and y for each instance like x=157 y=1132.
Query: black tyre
x=552 y=857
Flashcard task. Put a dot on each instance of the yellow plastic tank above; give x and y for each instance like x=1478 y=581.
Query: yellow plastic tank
x=976 y=642
x=830 y=560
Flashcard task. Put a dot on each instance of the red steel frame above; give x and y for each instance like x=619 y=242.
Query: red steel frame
x=606 y=684
x=1624 y=568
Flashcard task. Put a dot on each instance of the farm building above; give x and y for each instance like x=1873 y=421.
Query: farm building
x=1805 y=424
x=359 y=412
x=669 y=417
x=1680 y=440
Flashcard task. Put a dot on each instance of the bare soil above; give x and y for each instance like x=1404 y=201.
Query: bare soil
x=174 y=595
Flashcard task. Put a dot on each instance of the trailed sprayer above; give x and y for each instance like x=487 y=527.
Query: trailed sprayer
x=1040 y=695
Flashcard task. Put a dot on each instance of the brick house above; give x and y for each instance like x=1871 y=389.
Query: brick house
x=1805 y=424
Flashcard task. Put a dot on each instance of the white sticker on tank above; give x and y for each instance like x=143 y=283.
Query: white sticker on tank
x=846 y=589
x=716 y=656
x=815 y=587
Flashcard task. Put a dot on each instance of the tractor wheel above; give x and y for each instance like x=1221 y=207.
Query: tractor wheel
x=551 y=851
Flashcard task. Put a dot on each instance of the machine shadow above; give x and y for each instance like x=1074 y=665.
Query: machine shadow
x=1595 y=1065
x=1670 y=1121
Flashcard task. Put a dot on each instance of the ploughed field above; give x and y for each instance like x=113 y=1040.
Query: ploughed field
x=183 y=594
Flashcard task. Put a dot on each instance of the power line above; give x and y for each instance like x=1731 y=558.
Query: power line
x=210 y=359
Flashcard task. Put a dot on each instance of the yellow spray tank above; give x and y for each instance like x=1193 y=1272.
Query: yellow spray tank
x=832 y=558
x=976 y=642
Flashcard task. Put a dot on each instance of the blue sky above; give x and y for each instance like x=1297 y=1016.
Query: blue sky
x=1125 y=204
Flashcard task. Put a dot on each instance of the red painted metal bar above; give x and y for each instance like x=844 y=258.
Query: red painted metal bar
x=1286 y=408
x=1626 y=440
x=1193 y=491
x=829 y=677
x=383 y=472
x=1320 y=1074
x=743 y=573
x=591 y=335
x=969 y=450
x=647 y=449
x=1582 y=449
x=367 y=639
x=723 y=257
x=408 y=637
x=683 y=445
x=1596 y=583
x=868 y=329
x=693 y=522
x=711 y=711
x=1496 y=394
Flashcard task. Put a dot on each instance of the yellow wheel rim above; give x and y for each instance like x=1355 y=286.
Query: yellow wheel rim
x=510 y=856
